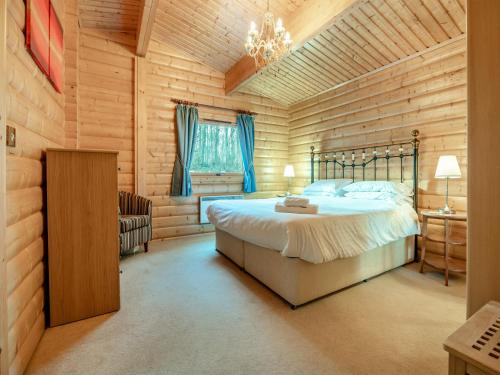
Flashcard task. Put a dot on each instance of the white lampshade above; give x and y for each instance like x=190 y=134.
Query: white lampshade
x=289 y=172
x=448 y=167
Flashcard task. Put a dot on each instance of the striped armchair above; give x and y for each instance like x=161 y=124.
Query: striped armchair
x=135 y=221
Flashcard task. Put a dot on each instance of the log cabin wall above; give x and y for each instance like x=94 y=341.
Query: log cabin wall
x=106 y=111
x=36 y=110
x=426 y=92
x=169 y=73
x=71 y=43
x=106 y=97
x=4 y=365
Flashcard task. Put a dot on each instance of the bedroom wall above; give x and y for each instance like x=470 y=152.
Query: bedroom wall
x=95 y=111
x=108 y=86
x=36 y=110
x=169 y=73
x=115 y=88
x=427 y=92
x=106 y=97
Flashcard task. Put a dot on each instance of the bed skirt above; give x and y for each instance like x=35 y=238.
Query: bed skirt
x=298 y=281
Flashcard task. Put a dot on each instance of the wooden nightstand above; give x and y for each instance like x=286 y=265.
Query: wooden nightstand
x=442 y=262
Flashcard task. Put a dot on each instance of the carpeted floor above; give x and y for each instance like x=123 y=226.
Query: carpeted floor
x=188 y=310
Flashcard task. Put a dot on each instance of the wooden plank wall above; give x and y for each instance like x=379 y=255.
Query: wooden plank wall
x=427 y=92
x=4 y=365
x=71 y=42
x=170 y=73
x=106 y=97
x=37 y=112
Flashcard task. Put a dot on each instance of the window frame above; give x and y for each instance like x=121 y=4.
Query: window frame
x=203 y=122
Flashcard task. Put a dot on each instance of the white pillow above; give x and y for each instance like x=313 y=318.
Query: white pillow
x=318 y=194
x=380 y=186
x=331 y=187
x=365 y=195
x=379 y=195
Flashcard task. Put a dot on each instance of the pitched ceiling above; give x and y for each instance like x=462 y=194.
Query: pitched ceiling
x=366 y=36
x=369 y=35
x=115 y=15
x=214 y=31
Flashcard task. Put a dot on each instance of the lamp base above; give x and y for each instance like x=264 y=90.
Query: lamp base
x=446 y=210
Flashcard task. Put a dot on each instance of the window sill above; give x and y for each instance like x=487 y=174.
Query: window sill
x=201 y=174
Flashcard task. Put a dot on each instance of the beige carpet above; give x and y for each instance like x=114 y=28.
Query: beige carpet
x=188 y=310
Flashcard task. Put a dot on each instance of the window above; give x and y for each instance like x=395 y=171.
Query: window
x=217 y=150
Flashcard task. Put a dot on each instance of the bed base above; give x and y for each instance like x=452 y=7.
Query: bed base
x=300 y=282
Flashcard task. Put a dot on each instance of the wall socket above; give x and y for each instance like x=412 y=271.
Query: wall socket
x=11 y=136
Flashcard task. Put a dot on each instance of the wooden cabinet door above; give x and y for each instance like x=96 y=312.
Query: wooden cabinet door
x=83 y=243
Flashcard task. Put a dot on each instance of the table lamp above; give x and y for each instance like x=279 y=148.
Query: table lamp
x=289 y=172
x=447 y=168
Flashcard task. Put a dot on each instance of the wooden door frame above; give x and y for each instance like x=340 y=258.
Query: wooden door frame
x=482 y=101
x=4 y=365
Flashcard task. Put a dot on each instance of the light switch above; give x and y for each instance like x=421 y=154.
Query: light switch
x=11 y=136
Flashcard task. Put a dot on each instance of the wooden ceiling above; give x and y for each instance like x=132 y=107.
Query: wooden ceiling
x=214 y=31
x=115 y=15
x=367 y=36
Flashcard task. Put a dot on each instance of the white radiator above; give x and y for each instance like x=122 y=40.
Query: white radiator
x=207 y=200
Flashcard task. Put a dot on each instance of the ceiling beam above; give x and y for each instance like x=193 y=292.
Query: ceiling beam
x=305 y=23
x=145 y=27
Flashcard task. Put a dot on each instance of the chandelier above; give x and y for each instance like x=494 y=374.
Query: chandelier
x=271 y=43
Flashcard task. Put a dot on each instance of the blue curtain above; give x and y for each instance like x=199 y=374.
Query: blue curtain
x=186 y=118
x=246 y=127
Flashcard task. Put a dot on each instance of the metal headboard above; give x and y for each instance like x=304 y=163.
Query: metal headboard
x=364 y=157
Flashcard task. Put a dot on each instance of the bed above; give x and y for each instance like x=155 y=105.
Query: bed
x=303 y=257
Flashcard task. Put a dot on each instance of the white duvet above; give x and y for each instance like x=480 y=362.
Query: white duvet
x=342 y=228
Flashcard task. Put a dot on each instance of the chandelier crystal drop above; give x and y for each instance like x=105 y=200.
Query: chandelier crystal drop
x=271 y=44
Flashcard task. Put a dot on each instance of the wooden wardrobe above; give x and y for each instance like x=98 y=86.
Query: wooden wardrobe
x=83 y=234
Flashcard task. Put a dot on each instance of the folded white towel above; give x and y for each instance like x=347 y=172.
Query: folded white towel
x=296 y=202
x=309 y=209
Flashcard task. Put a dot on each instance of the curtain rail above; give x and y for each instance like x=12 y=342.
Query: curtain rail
x=186 y=102
x=221 y=122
